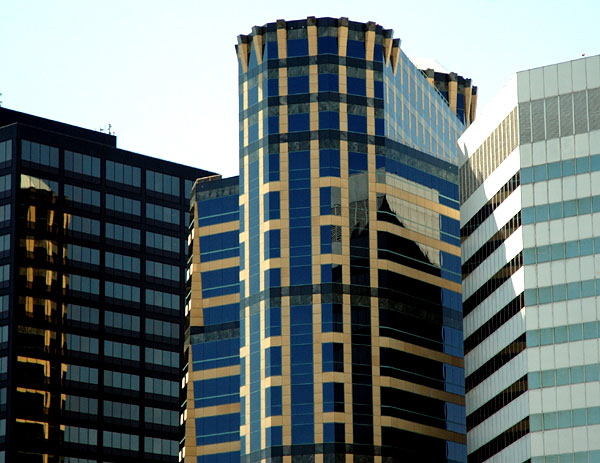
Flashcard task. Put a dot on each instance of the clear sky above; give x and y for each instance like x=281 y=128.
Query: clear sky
x=164 y=73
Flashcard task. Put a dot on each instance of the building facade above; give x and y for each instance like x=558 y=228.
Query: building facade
x=91 y=296
x=213 y=336
x=350 y=310
x=529 y=221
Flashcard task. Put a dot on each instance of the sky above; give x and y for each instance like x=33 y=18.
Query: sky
x=163 y=74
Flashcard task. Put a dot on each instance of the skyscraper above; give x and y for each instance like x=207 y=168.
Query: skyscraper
x=350 y=314
x=529 y=228
x=91 y=296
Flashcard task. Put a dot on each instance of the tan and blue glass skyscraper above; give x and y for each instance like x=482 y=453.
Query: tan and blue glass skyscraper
x=350 y=326
x=351 y=331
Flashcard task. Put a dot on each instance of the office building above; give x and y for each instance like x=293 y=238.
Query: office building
x=350 y=321
x=530 y=189
x=91 y=296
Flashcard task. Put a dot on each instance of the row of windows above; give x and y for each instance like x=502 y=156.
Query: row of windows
x=82 y=344
x=563 y=376
x=119 y=440
x=163 y=271
x=563 y=292
x=122 y=321
x=560 y=169
x=37 y=153
x=593 y=456
x=83 y=254
x=121 y=262
x=564 y=419
x=561 y=209
x=560 y=334
x=560 y=251
x=162 y=357
x=82 y=164
x=27 y=181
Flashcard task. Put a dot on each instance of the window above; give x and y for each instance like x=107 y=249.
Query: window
x=122 y=321
x=122 y=351
x=82 y=344
x=162 y=242
x=82 y=314
x=162 y=357
x=122 y=173
x=162 y=183
x=163 y=300
x=82 y=164
x=82 y=195
x=161 y=328
x=162 y=387
x=119 y=440
x=78 y=404
x=81 y=435
x=84 y=284
x=83 y=225
x=161 y=446
x=122 y=380
x=122 y=263
x=81 y=374
x=5 y=183
x=161 y=416
x=123 y=205
x=36 y=153
x=5 y=151
x=163 y=271
x=121 y=291
x=83 y=254
x=122 y=233
x=162 y=213
x=121 y=410
x=27 y=181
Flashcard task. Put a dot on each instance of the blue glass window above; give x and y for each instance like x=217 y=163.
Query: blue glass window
x=298 y=85
x=357 y=123
x=297 y=47
x=298 y=122
x=327 y=45
x=357 y=86
x=273 y=361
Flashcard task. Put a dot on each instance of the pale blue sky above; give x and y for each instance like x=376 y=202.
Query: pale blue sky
x=164 y=73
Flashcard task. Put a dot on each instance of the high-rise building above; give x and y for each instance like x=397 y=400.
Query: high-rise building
x=92 y=290
x=530 y=189
x=350 y=323
x=213 y=310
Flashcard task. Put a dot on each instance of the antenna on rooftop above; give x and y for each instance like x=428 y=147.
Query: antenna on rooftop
x=0 y=100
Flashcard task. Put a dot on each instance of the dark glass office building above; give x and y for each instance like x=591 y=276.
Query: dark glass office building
x=92 y=293
x=350 y=328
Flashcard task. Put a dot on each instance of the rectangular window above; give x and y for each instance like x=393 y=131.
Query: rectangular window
x=121 y=410
x=122 y=380
x=82 y=344
x=83 y=254
x=162 y=357
x=83 y=225
x=162 y=242
x=122 y=321
x=123 y=205
x=81 y=405
x=122 y=263
x=5 y=182
x=83 y=284
x=122 y=351
x=82 y=195
x=81 y=436
x=122 y=233
x=82 y=314
x=122 y=173
x=161 y=446
x=162 y=213
x=161 y=416
x=36 y=153
x=162 y=183
x=163 y=271
x=123 y=292
x=5 y=151
x=4 y=214
x=162 y=300
x=27 y=181
x=162 y=387
x=162 y=329
x=81 y=374
x=119 y=440
x=82 y=164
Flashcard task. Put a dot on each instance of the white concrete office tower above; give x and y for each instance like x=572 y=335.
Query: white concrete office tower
x=530 y=228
